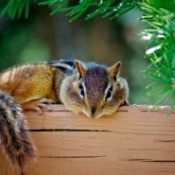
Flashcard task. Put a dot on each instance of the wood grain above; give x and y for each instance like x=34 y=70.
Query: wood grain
x=130 y=142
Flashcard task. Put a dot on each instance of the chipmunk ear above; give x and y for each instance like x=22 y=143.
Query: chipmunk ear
x=114 y=70
x=80 y=68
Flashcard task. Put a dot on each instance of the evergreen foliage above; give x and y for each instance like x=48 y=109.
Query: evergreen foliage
x=108 y=8
x=159 y=15
x=160 y=18
x=15 y=8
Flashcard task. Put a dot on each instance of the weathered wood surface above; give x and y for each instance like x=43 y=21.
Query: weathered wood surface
x=131 y=142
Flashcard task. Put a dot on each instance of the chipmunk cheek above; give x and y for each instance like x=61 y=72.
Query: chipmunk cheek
x=109 y=111
x=99 y=115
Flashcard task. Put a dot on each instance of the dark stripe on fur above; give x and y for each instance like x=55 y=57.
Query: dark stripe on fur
x=70 y=62
x=67 y=65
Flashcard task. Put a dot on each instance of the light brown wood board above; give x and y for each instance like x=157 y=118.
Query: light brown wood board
x=133 y=141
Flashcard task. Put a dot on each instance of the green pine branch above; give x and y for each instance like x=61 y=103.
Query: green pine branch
x=92 y=8
x=160 y=32
x=74 y=9
x=15 y=8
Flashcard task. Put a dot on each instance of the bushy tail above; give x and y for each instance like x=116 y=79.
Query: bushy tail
x=15 y=139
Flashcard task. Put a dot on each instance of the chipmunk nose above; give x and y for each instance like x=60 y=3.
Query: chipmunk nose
x=93 y=110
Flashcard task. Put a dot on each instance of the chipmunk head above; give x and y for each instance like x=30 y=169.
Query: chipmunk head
x=94 y=89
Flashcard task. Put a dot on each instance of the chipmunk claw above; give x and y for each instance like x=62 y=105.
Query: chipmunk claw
x=125 y=103
x=40 y=108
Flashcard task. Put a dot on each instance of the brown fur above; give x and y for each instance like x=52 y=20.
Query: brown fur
x=80 y=68
x=115 y=69
x=29 y=82
x=96 y=81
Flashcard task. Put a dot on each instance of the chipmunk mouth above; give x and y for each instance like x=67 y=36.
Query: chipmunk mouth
x=92 y=115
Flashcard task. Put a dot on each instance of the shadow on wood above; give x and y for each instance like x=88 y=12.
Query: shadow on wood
x=131 y=142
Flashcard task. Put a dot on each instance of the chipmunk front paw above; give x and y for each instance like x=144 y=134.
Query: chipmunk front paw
x=39 y=105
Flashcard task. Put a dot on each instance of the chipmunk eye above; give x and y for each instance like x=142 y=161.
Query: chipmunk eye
x=109 y=93
x=81 y=90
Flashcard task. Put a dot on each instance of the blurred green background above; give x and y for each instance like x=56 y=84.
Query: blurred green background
x=43 y=37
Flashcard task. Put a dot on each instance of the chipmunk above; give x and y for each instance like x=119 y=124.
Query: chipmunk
x=94 y=89
x=90 y=88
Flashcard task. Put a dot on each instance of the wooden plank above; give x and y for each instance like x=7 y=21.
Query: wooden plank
x=97 y=166
x=130 y=142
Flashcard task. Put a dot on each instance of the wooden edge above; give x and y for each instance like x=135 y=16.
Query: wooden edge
x=134 y=107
